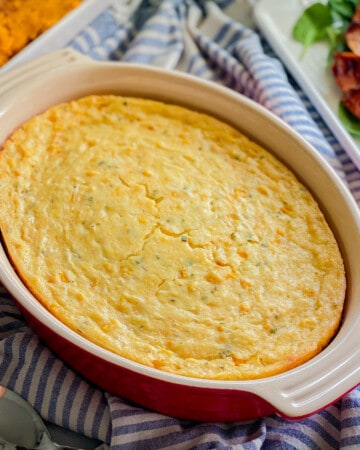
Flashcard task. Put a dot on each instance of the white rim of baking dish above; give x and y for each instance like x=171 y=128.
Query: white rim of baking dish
x=64 y=75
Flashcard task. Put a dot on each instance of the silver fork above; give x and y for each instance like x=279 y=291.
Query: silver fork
x=21 y=426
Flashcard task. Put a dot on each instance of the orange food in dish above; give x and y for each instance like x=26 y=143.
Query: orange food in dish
x=22 y=21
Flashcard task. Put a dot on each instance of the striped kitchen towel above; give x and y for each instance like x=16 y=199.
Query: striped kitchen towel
x=214 y=40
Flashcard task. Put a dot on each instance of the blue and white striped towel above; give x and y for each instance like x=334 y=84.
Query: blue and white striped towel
x=205 y=39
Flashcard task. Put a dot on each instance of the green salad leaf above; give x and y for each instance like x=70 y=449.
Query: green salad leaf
x=325 y=21
x=345 y=8
x=312 y=25
x=328 y=21
x=350 y=122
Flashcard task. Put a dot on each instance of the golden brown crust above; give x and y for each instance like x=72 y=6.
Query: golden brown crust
x=169 y=238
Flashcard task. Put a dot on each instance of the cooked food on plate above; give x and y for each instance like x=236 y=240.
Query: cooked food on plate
x=338 y=22
x=346 y=66
x=22 y=21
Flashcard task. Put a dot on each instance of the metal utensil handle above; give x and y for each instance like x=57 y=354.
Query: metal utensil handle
x=20 y=424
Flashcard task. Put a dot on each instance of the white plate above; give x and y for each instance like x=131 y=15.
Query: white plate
x=276 y=19
x=60 y=34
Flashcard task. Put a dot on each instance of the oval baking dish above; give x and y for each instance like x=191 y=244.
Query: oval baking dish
x=62 y=76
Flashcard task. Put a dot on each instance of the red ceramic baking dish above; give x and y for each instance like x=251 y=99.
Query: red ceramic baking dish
x=65 y=75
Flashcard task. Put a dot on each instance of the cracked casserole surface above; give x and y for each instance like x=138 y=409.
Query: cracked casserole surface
x=166 y=236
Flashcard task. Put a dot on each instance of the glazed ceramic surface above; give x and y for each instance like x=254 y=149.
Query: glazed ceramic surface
x=61 y=76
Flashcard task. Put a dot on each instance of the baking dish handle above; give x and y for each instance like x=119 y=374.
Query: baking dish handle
x=31 y=69
x=318 y=383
